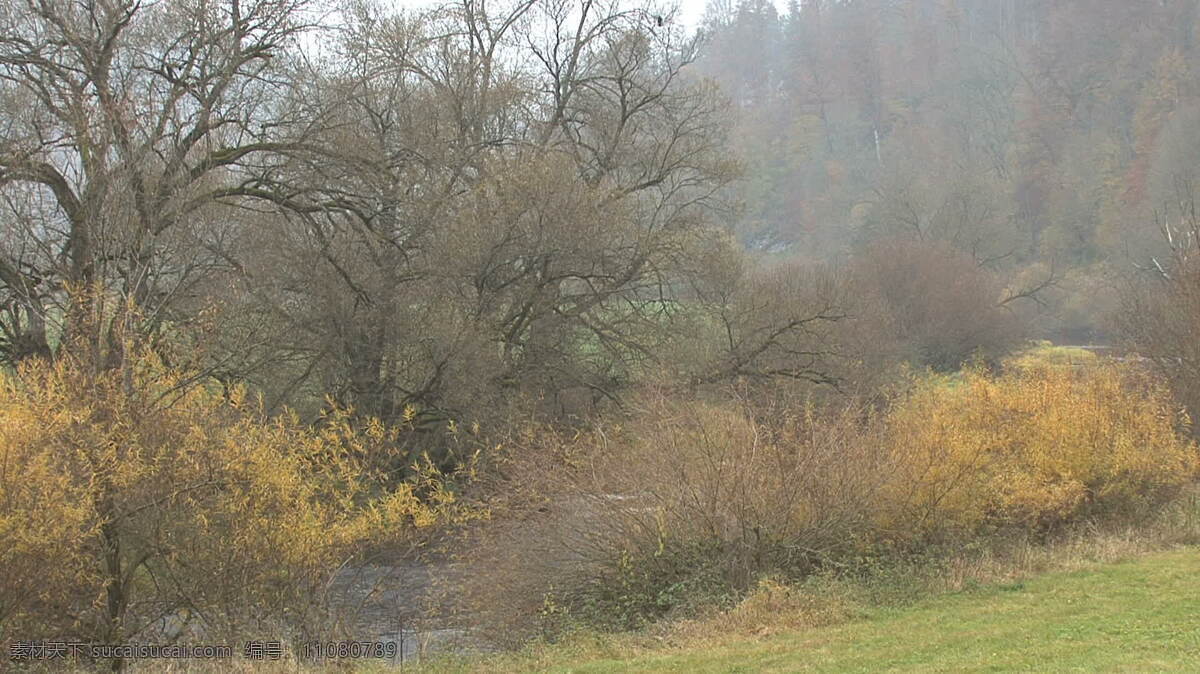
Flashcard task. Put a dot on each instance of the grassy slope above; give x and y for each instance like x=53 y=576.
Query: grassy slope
x=1142 y=615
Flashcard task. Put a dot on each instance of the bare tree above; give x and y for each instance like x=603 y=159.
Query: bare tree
x=124 y=124
x=1159 y=313
x=508 y=200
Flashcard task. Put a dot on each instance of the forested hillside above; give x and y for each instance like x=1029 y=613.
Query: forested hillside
x=1037 y=136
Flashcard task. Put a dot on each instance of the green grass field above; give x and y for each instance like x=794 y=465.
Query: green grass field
x=1135 y=616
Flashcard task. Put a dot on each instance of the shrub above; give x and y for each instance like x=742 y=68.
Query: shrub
x=690 y=502
x=686 y=505
x=1037 y=446
x=932 y=304
x=140 y=504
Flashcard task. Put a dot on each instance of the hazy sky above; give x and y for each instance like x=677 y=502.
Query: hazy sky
x=690 y=11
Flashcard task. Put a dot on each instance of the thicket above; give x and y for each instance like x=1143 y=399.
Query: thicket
x=1036 y=447
x=139 y=503
x=932 y=305
x=693 y=501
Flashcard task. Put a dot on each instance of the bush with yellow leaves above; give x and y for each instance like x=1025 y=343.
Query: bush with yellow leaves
x=138 y=503
x=690 y=502
x=1041 y=444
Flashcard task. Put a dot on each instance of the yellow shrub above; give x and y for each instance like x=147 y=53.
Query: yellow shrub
x=1037 y=445
x=693 y=501
x=133 y=500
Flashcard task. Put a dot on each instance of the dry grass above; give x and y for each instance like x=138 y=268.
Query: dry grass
x=682 y=508
x=690 y=504
x=776 y=608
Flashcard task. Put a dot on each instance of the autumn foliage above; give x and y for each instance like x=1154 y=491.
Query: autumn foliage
x=1039 y=445
x=693 y=501
x=141 y=503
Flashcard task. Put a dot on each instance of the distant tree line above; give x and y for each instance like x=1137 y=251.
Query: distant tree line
x=1040 y=137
